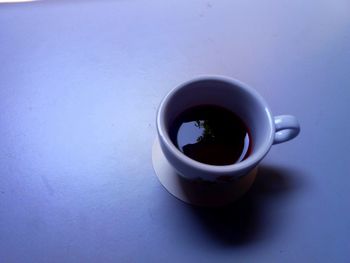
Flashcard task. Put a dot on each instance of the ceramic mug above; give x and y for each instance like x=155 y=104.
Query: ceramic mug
x=265 y=129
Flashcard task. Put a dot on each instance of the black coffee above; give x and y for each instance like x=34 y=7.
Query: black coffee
x=211 y=135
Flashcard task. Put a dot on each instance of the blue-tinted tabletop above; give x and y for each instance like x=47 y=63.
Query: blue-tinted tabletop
x=80 y=82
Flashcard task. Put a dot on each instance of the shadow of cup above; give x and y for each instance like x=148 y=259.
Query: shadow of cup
x=242 y=221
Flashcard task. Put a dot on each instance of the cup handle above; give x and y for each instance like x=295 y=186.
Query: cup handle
x=287 y=127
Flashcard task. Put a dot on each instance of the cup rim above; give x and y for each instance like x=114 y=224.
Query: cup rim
x=252 y=160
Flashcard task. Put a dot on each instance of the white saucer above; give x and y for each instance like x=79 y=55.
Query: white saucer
x=194 y=192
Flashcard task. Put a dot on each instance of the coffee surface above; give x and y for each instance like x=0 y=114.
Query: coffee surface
x=211 y=135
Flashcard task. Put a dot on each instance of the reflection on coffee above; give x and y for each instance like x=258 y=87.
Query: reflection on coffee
x=211 y=135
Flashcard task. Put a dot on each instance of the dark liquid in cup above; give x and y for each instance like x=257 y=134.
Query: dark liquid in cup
x=211 y=135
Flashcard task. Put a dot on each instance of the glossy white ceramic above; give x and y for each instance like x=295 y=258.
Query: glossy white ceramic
x=264 y=128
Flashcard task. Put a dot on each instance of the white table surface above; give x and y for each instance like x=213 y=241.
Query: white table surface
x=80 y=82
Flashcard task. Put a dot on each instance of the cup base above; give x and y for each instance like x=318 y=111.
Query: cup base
x=200 y=193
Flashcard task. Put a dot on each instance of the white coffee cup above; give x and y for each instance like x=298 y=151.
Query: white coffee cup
x=265 y=129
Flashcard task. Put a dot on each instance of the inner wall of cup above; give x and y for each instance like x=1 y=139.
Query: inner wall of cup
x=227 y=95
